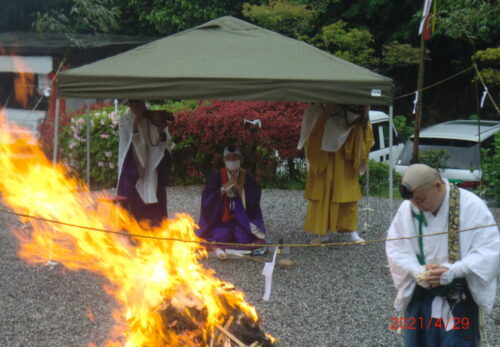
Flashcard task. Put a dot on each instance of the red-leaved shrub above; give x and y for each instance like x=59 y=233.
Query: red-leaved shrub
x=201 y=135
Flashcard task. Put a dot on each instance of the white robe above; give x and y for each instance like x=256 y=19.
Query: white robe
x=478 y=254
x=148 y=156
x=335 y=133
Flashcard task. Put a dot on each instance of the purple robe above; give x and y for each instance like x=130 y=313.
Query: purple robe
x=236 y=230
x=153 y=213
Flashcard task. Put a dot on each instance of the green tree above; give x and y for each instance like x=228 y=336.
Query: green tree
x=399 y=55
x=353 y=44
x=404 y=127
x=295 y=19
x=170 y=16
x=387 y=20
x=489 y=61
x=491 y=171
x=84 y=16
x=19 y=15
x=290 y=18
x=471 y=20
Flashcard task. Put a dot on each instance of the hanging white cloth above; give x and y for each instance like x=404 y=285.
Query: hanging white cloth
x=337 y=127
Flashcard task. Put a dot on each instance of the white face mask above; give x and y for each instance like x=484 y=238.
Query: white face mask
x=232 y=164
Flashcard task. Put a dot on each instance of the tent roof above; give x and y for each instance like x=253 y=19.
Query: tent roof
x=229 y=59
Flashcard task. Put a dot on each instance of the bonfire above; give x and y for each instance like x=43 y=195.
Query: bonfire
x=165 y=296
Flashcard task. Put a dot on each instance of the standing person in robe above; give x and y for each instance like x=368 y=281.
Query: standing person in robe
x=230 y=206
x=337 y=140
x=144 y=161
x=445 y=283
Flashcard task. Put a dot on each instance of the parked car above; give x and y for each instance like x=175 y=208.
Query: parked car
x=462 y=140
x=380 y=126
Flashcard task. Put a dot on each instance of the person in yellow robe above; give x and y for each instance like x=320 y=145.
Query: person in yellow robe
x=337 y=141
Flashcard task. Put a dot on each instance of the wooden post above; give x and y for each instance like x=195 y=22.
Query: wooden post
x=418 y=113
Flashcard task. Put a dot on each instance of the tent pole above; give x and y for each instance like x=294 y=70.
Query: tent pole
x=55 y=148
x=88 y=144
x=391 y=162
x=56 y=135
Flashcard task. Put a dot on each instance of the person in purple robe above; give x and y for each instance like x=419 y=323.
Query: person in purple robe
x=230 y=207
x=144 y=162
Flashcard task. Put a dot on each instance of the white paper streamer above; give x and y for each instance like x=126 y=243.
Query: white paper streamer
x=46 y=92
x=268 y=274
x=485 y=93
x=425 y=13
x=415 y=102
x=116 y=106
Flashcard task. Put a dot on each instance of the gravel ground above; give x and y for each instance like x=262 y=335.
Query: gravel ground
x=338 y=296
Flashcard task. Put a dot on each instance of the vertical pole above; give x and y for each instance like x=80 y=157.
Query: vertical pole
x=88 y=144
x=55 y=149
x=391 y=163
x=367 y=196
x=56 y=135
x=418 y=113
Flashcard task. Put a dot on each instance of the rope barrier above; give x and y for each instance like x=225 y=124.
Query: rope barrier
x=210 y=243
x=434 y=84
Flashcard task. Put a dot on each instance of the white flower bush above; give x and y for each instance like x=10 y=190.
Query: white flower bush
x=103 y=146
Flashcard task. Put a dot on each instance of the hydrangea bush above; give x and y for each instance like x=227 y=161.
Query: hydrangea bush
x=103 y=146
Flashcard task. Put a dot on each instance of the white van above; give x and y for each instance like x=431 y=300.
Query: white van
x=380 y=126
x=462 y=140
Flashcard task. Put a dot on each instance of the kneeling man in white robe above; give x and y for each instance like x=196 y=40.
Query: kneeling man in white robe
x=445 y=283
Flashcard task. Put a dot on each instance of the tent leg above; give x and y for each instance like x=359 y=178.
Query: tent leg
x=391 y=163
x=55 y=149
x=88 y=144
x=56 y=135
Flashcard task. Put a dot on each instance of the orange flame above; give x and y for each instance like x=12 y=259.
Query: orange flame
x=141 y=275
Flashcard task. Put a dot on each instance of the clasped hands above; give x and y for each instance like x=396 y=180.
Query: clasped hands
x=231 y=187
x=432 y=275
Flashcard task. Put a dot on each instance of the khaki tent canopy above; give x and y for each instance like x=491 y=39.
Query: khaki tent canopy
x=229 y=59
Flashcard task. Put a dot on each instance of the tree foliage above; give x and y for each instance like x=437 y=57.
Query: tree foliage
x=296 y=20
x=491 y=171
x=379 y=34
x=84 y=16
x=397 y=55
x=290 y=18
x=489 y=60
x=353 y=44
x=170 y=16
x=472 y=20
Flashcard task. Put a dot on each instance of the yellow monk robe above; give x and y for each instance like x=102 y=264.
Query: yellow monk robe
x=332 y=186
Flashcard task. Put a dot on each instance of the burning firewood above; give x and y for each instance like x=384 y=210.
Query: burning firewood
x=185 y=314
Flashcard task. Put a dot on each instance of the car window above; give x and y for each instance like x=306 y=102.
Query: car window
x=395 y=140
x=463 y=154
x=375 y=129
x=385 y=129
